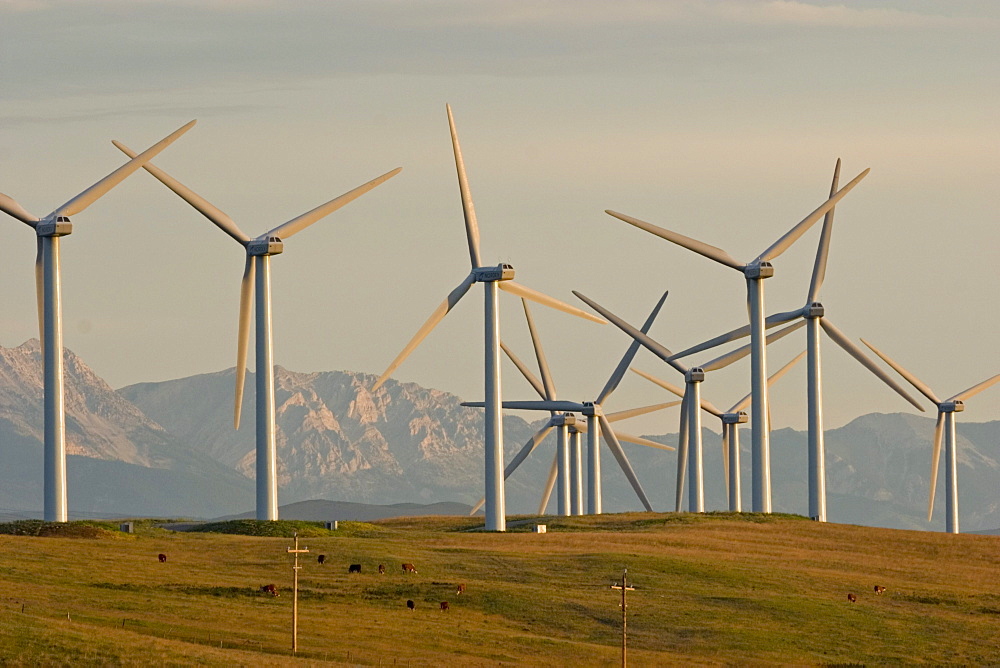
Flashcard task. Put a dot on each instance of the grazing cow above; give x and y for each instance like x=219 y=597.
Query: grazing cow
x=269 y=589
x=354 y=568
x=408 y=568
x=879 y=590
x=461 y=589
x=852 y=598
x=410 y=605
x=444 y=606
x=162 y=558
x=381 y=569
x=321 y=558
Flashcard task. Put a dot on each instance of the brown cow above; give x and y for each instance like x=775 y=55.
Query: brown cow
x=408 y=568
x=879 y=590
x=269 y=589
x=852 y=598
x=461 y=589
x=410 y=605
x=354 y=568
x=444 y=606
x=162 y=558
x=381 y=569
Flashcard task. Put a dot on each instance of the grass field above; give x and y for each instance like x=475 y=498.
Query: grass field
x=711 y=589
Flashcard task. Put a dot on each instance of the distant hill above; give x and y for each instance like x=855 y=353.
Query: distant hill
x=321 y=510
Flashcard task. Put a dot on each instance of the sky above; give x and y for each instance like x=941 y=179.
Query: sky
x=719 y=120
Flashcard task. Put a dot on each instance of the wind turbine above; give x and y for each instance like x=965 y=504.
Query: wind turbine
x=492 y=278
x=568 y=456
x=690 y=422
x=257 y=283
x=730 y=419
x=945 y=424
x=814 y=314
x=754 y=272
x=48 y=287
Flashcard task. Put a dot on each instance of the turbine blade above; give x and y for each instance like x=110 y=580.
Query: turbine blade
x=790 y=237
x=543 y=365
x=639 y=440
x=528 y=448
x=740 y=353
x=743 y=403
x=549 y=484
x=739 y=333
x=935 y=460
x=10 y=207
x=711 y=252
x=40 y=293
x=206 y=208
x=819 y=268
x=626 y=360
x=657 y=349
x=616 y=450
x=525 y=371
x=439 y=313
x=682 y=454
x=471 y=226
x=669 y=387
x=855 y=351
x=243 y=335
x=635 y=412
x=543 y=405
x=976 y=389
x=551 y=302
x=479 y=504
x=296 y=225
x=913 y=380
x=96 y=191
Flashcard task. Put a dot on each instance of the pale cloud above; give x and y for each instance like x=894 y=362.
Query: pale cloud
x=792 y=12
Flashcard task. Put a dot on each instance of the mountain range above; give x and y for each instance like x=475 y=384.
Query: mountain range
x=168 y=449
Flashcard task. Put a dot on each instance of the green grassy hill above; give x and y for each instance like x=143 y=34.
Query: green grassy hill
x=715 y=589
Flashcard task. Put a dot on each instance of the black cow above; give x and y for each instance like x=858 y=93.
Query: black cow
x=162 y=557
x=354 y=568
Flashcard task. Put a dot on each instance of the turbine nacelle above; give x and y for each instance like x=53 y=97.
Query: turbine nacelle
x=265 y=246
x=814 y=310
x=956 y=406
x=501 y=272
x=758 y=270
x=59 y=226
x=735 y=418
x=695 y=375
x=564 y=420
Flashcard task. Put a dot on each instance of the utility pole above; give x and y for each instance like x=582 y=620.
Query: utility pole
x=295 y=592
x=625 y=588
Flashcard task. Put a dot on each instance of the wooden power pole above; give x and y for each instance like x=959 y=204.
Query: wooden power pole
x=625 y=588
x=295 y=592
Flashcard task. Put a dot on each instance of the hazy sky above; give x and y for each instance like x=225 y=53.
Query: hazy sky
x=720 y=120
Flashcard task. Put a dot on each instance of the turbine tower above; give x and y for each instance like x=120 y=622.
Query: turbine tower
x=689 y=433
x=492 y=278
x=945 y=424
x=754 y=272
x=48 y=287
x=814 y=314
x=568 y=462
x=731 y=420
x=257 y=283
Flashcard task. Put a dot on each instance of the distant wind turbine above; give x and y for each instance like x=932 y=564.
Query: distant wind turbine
x=690 y=450
x=731 y=420
x=257 y=282
x=492 y=278
x=945 y=424
x=48 y=287
x=815 y=316
x=568 y=457
x=755 y=272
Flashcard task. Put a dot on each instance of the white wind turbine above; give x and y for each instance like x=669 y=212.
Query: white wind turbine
x=945 y=424
x=689 y=434
x=731 y=420
x=48 y=287
x=492 y=278
x=567 y=468
x=755 y=272
x=815 y=316
x=257 y=282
